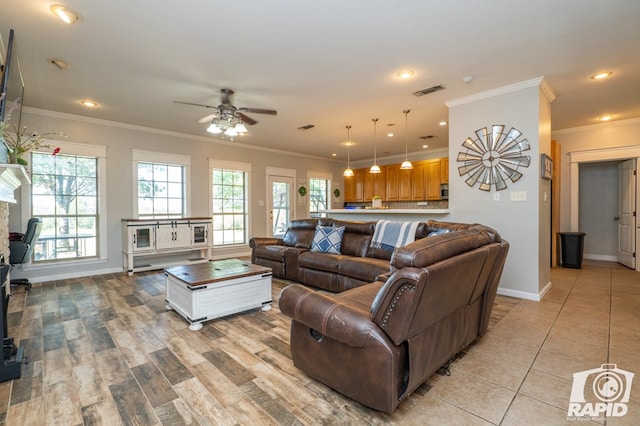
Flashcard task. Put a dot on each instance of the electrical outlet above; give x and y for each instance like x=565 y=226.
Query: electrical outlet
x=518 y=196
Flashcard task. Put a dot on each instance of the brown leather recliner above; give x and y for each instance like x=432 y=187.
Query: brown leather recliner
x=378 y=342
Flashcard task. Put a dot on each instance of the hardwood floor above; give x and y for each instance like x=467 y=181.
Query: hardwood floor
x=104 y=350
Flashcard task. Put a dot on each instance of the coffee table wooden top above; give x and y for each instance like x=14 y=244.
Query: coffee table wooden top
x=215 y=271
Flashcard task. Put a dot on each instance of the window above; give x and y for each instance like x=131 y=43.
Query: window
x=230 y=211
x=64 y=193
x=319 y=190
x=160 y=190
x=161 y=184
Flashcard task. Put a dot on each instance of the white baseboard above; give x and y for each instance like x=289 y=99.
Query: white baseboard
x=536 y=297
x=75 y=274
x=603 y=257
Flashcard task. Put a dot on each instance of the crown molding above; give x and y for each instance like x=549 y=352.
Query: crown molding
x=534 y=82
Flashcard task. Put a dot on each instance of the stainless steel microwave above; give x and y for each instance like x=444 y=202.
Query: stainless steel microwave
x=444 y=191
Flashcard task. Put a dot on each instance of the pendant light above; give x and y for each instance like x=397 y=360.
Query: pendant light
x=375 y=168
x=348 y=171
x=406 y=164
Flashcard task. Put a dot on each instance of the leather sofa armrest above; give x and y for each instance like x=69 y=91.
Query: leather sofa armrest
x=265 y=241
x=394 y=307
x=331 y=317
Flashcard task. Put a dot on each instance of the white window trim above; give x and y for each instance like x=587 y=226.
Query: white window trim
x=326 y=176
x=230 y=165
x=97 y=151
x=138 y=155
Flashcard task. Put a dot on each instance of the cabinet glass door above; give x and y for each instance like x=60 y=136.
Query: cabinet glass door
x=143 y=239
x=199 y=234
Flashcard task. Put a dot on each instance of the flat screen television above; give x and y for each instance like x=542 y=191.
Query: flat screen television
x=11 y=84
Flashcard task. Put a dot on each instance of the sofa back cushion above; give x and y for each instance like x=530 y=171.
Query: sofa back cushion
x=300 y=233
x=430 y=250
x=357 y=235
x=380 y=253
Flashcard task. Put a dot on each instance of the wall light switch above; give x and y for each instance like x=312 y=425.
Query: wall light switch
x=496 y=196
x=518 y=196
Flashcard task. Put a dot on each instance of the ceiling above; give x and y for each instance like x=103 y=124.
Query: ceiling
x=328 y=63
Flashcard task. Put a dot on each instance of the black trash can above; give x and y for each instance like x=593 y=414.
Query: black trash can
x=572 y=248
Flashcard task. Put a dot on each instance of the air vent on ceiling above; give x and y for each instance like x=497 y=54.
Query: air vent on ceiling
x=427 y=137
x=429 y=90
x=307 y=127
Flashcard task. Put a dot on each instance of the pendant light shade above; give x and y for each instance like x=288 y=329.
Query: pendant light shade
x=375 y=168
x=348 y=171
x=406 y=164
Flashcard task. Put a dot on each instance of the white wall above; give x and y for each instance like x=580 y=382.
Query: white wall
x=624 y=133
x=120 y=138
x=525 y=224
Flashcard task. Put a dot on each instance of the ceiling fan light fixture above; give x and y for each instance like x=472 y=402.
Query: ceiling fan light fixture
x=241 y=128
x=213 y=128
x=231 y=132
x=65 y=13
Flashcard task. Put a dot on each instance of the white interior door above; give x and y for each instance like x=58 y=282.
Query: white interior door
x=626 y=213
x=280 y=205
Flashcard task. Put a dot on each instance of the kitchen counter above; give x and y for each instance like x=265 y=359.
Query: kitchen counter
x=388 y=214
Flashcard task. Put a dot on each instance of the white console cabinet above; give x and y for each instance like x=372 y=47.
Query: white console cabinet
x=149 y=243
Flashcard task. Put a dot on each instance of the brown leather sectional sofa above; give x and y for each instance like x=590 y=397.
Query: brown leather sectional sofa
x=376 y=341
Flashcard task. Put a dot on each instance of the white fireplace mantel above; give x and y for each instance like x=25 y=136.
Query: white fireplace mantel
x=11 y=177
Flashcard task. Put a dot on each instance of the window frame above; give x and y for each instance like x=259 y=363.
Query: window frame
x=322 y=176
x=69 y=148
x=141 y=156
x=234 y=166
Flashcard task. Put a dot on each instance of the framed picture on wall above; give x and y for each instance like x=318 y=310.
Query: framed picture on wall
x=546 y=167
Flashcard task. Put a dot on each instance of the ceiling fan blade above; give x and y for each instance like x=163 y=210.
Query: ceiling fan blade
x=259 y=111
x=246 y=119
x=191 y=103
x=207 y=118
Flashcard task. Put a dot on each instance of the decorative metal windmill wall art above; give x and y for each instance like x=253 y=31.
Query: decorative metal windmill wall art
x=493 y=157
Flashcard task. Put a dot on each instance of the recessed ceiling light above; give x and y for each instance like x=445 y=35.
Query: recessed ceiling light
x=601 y=75
x=390 y=135
x=605 y=117
x=89 y=104
x=404 y=74
x=425 y=146
x=65 y=13
x=443 y=123
x=334 y=155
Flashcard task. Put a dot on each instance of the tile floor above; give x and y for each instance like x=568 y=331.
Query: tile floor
x=523 y=368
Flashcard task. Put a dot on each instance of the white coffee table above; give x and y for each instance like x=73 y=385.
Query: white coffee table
x=206 y=291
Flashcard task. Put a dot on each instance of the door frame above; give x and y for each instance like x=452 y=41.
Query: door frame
x=598 y=155
x=277 y=171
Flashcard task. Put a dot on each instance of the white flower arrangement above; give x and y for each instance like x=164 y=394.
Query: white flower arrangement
x=17 y=140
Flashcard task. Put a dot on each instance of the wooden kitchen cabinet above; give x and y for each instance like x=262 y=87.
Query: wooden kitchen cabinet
x=375 y=184
x=432 y=180
x=444 y=170
x=404 y=184
x=354 y=186
x=418 y=181
x=392 y=171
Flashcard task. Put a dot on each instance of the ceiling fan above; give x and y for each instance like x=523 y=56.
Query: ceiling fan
x=227 y=117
